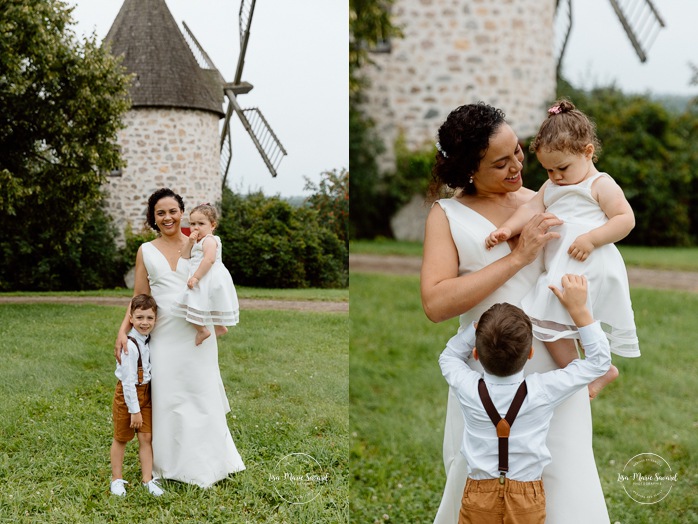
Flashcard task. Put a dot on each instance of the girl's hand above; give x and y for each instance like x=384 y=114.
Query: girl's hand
x=498 y=235
x=136 y=420
x=192 y=282
x=535 y=235
x=193 y=237
x=581 y=248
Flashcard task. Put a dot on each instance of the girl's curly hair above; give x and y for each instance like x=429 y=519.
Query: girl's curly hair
x=566 y=129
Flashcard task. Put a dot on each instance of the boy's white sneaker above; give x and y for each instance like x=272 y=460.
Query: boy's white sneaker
x=117 y=487
x=153 y=488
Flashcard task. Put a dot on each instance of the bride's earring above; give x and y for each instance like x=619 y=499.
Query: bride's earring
x=471 y=180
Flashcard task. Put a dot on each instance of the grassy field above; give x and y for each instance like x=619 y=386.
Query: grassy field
x=398 y=402
x=676 y=258
x=286 y=377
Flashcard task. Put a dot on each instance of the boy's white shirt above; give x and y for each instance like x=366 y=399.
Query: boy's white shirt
x=127 y=371
x=528 y=452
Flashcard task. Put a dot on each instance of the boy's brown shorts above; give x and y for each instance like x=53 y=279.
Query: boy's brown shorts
x=514 y=502
x=122 y=418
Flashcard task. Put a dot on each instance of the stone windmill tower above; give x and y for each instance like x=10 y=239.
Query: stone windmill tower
x=173 y=134
x=451 y=53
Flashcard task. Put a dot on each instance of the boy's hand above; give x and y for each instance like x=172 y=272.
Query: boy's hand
x=574 y=298
x=136 y=420
x=497 y=236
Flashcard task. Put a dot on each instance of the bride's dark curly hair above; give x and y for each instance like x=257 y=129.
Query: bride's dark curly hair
x=463 y=140
x=154 y=199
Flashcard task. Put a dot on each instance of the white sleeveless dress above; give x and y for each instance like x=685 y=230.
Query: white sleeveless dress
x=572 y=485
x=609 y=291
x=214 y=299
x=191 y=439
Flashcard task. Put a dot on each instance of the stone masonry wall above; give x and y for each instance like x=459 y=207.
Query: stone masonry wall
x=456 y=52
x=173 y=148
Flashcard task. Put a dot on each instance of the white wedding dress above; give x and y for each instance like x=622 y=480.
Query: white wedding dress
x=572 y=485
x=191 y=439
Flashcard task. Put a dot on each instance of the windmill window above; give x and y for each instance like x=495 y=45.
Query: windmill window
x=382 y=46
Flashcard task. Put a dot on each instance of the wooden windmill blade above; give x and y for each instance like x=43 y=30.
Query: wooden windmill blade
x=263 y=137
x=641 y=22
x=563 y=28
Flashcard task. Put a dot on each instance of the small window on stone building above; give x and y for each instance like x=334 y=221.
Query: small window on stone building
x=382 y=46
x=116 y=173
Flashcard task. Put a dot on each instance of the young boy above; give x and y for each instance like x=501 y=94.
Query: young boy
x=505 y=463
x=131 y=408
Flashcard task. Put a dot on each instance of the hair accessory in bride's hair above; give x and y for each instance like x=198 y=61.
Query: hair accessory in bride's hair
x=438 y=147
x=555 y=110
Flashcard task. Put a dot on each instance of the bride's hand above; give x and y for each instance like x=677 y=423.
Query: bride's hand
x=120 y=344
x=535 y=234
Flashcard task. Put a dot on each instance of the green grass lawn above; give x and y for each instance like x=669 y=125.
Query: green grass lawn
x=286 y=377
x=674 y=258
x=398 y=404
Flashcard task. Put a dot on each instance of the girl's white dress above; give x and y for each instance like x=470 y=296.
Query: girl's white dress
x=609 y=291
x=213 y=300
x=191 y=439
x=572 y=486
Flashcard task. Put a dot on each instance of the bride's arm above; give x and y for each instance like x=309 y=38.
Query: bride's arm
x=444 y=293
x=140 y=286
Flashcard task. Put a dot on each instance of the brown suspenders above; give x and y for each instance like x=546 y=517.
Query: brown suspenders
x=503 y=425
x=140 y=361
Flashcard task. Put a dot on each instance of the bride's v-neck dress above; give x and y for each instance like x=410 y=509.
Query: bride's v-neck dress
x=191 y=439
x=572 y=486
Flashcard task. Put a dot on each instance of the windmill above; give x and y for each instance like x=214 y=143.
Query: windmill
x=252 y=119
x=640 y=20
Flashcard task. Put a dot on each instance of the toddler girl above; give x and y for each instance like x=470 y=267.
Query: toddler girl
x=595 y=213
x=210 y=297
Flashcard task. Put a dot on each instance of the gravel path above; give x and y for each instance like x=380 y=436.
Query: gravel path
x=279 y=305
x=638 y=277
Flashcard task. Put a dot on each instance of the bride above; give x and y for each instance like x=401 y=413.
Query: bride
x=191 y=439
x=480 y=157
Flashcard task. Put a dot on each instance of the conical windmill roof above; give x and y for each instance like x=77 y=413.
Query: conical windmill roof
x=167 y=74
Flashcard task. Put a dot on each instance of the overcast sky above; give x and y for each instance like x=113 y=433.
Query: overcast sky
x=600 y=53
x=297 y=62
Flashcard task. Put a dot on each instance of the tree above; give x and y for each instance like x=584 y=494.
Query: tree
x=369 y=23
x=61 y=102
x=330 y=199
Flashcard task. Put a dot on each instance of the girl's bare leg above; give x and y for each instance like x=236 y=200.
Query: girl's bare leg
x=601 y=382
x=202 y=333
x=563 y=351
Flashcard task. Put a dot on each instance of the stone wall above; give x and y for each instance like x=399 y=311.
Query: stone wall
x=456 y=52
x=173 y=148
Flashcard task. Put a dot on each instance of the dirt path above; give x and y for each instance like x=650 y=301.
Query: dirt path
x=638 y=277
x=278 y=305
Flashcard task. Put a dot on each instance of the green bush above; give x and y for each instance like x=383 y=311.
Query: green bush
x=651 y=152
x=269 y=243
x=133 y=241
x=90 y=260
